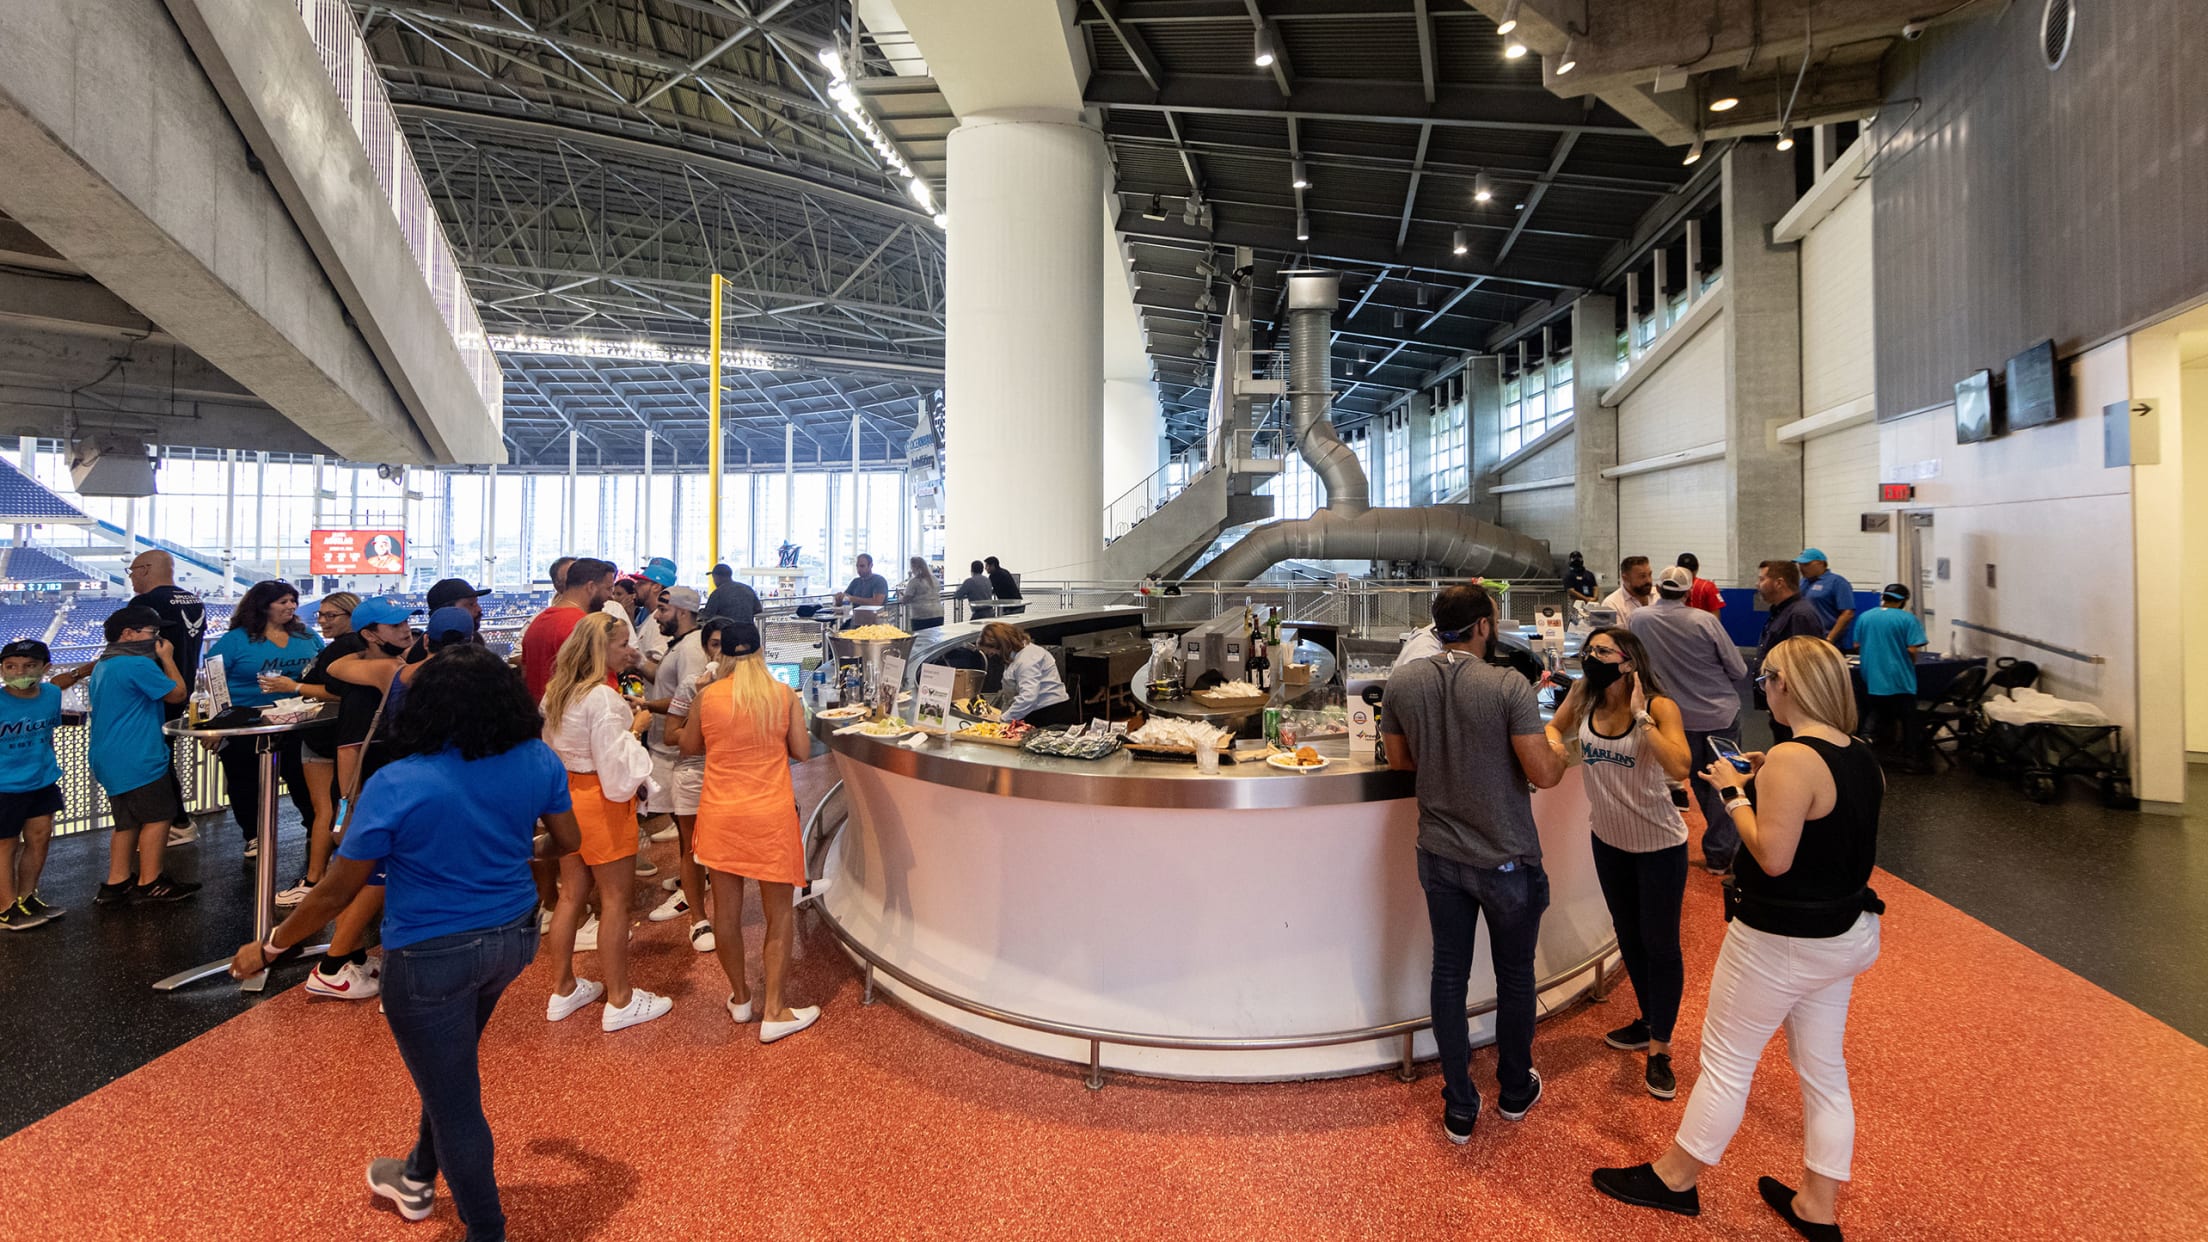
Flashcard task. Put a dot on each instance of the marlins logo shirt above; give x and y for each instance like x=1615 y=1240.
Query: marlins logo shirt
x=27 y=739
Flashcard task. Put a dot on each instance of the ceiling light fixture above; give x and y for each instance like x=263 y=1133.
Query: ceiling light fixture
x=943 y=220
x=1299 y=174
x=1786 y=137
x=1724 y=103
x=1510 y=18
x=1265 y=52
x=1694 y=152
x=1156 y=209
x=921 y=193
x=832 y=60
x=1192 y=209
x=1482 y=188
x=1513 y=50
x=1570 y=59
x=1458 y=245
x=1303 y=227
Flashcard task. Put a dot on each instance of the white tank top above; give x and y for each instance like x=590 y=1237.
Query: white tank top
x=1628 y=795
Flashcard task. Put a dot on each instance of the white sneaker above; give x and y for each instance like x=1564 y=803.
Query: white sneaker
x=643 y=1006
x=375 y=966
x=252 y=850
x=701 y=937
x=544 y=921
x=586 y=936
x=664 y=835
x=586 y=991
x=672 y=884
x=799 y=1020
x=184 y=833
x=351 y=982
x=674 y=907
x=295 y=894
x=645 y=867
x=813 y=890
x=742 y=1013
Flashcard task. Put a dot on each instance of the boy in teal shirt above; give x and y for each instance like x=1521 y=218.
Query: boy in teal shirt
x=131 y=683
x=1888 y=639
x=30 y=782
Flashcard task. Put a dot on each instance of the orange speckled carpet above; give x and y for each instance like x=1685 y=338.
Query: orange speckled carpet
x=1998 y=1097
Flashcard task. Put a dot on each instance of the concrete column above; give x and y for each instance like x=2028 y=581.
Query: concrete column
x=1632 y=315
x=1419 y=421
x=1694 y=263
x=1595 y=438
x=1483 y=429
x=1131 y=434
x=1024 y=364
x=485 y=562
x=1763 y=356
x=1662 y=303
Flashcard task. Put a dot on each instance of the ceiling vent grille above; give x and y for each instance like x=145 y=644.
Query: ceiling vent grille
x=2057 y=26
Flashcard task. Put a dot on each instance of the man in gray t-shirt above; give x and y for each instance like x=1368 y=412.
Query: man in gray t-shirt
x=1472 y=732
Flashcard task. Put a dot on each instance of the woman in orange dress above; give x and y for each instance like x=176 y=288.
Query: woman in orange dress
x=750 y=728
x=598 y=736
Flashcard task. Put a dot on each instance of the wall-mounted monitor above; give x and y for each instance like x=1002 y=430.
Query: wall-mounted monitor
x=1977 y=409
x=2032 y=398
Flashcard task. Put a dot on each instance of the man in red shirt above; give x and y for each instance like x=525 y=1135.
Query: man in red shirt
x=1704 y=593
x=589 y=586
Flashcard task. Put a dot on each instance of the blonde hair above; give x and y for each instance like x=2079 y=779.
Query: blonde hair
x=1003 y=638
x=1816 y=679
x=755 y=697
x=345 y=601
x=580 y=665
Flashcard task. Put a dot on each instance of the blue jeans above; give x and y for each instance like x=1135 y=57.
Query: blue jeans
x=1644 y=893
x=1457 y=894
x=1720 y=840
x=438 y=995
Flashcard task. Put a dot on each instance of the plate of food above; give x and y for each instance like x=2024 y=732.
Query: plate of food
x=878 y=728
x=1301 y=759
x=994 y=733
x=853 y=712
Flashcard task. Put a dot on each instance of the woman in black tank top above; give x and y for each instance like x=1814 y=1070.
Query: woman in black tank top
x=1803 y=922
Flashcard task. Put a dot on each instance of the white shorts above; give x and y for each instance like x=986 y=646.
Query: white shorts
x=659 y=799
x=689 y=785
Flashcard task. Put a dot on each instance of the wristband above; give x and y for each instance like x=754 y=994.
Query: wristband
x=1737 y=801
x=1645 y=719
x=269 y=951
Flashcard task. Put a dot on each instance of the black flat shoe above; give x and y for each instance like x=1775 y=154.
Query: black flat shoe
x=1641 y=1187
x=1781 y=1198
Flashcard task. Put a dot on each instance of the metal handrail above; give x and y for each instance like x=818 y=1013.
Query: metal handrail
x=1097 y=1037
x=2082 y=657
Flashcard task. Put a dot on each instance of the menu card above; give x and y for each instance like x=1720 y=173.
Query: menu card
x=887 y=682
x=932 y=706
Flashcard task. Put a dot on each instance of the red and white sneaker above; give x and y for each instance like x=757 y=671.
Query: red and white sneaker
x=351 y=982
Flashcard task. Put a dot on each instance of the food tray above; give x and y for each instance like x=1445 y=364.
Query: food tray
x=968 y=735
x=1208 y=699
x=1052 y=742
x=1153 y=750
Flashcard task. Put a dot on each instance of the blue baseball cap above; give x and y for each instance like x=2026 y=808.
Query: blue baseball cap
x=664 y=575
x=1811 y=554
x=662 y=560
x=383 y=610
x=447 y=622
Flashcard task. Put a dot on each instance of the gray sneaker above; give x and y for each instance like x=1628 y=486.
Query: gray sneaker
x=388 y=1178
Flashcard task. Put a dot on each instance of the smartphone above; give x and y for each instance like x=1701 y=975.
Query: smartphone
x=1729 y=751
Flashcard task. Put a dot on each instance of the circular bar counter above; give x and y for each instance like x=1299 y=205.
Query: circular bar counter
x=1141 y=916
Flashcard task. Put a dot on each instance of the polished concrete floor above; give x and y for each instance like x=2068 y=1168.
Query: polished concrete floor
x=2119 y=898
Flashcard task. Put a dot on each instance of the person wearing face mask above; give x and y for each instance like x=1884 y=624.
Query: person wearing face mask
x=1472 y=732
x=1636 y=588
x=133 y=682
x=1579 y=581
x=1633 y=745
x=30 y=782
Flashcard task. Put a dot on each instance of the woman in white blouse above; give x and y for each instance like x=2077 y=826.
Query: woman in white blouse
x=598 y=736
x=1033 y=690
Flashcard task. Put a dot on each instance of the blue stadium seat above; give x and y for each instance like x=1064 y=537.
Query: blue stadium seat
x=23 y=501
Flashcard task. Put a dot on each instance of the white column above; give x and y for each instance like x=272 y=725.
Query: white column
x=1024 y=364
x=644 y=505
x=858 y=503
x=484 y=560
x=229 y=523
x=789 y=481
x=567 y=519
x=1131 y=430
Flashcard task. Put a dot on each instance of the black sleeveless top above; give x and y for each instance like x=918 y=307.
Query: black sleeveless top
x=1821 y=895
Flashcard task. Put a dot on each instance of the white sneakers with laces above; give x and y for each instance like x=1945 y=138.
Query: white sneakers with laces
x=586 y=991
x=674 y=907
x=353 y=981
x=643 y=1006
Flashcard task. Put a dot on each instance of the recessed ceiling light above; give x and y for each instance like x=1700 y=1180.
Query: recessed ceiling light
x=1724 y=103
x=1265 y=53
x=1513 y=50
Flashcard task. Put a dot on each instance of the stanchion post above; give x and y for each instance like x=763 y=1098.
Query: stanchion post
x=264 y=836
x=1095 y=1080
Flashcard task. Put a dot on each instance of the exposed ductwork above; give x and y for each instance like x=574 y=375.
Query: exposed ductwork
x=1311 y=300
x=1348 y=528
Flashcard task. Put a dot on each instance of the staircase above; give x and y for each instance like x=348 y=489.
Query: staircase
x=1169 y=538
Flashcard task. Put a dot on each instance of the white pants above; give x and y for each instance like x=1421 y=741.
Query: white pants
x=1763 y=982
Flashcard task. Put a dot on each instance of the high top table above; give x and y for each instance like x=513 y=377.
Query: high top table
x=264 y=738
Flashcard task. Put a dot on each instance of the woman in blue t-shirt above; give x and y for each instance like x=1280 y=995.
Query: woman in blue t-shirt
x=266 y=652
x=451 y=823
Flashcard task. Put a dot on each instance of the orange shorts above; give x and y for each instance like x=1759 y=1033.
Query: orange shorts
x=608 y=828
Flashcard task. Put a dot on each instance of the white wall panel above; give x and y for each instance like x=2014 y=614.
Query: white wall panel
x=1682 y=404
x=1839 y=485
x=1545 y=514
x=1838 y=364
x=1666 y=512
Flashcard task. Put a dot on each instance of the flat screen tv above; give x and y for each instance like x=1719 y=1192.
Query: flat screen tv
x=2031 y=387
x=1977 y=409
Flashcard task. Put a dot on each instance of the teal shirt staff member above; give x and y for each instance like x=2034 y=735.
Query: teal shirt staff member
x=129 y=694
x=267 y=641
x=1888 y=640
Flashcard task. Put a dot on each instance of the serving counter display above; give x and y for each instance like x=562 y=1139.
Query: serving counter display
x=1142 y=916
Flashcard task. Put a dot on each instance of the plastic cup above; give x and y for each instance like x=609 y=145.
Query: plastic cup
x=1207 y=760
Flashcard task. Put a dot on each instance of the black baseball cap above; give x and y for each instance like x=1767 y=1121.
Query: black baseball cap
x=740 y=639
x=452 y=591
x=1896 y=591
x=29 y=648
x=130 y=617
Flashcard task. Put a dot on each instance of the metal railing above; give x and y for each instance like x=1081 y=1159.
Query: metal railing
x=84 y=804
x=821 y=834
x=1221 y=451
x=2068 y=653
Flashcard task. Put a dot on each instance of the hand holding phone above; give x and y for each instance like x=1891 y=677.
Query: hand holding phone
x=1728 y=751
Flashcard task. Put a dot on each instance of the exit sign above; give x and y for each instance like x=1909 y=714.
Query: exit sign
x=1889 y=492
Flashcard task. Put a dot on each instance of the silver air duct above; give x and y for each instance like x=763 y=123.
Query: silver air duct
x=1311 y=300
x=1348 y=528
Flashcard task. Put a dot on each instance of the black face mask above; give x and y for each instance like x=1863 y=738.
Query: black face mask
x=1600 y=675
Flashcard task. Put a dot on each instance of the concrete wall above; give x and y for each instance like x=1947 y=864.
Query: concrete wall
x=1841 y=468
x=2194 y=387
x=1679 y=405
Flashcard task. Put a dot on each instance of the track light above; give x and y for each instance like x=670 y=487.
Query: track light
x=1300 y=174
x=1694 y=152
x=1482 y=188
x=1786 y=137
x=1266 y=53
x=1424 y=294
x=1303 y=227
x=1570 y=59
x=1513 y=50
x=1510 y=18
x=1156 y=209
x=1192 y=209
x=1724 y=103
x=1459 y=244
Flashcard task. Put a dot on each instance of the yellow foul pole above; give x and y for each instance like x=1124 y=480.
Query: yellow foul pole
x=713 y=437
